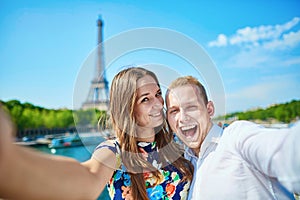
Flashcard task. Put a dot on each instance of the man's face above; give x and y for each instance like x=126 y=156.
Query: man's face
x=188 y=115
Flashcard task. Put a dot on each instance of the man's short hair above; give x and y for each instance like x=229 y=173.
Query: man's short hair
x=189 y=80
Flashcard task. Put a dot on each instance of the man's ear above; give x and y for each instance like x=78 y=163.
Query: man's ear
x=210 y=108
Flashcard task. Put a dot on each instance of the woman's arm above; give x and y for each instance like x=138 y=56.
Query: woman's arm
x=28 y=174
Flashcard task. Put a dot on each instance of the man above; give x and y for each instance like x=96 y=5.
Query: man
x=246 y=161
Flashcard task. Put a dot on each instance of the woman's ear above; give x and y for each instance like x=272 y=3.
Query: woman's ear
x=210 y=108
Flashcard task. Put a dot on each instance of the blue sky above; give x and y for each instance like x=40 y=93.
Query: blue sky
x=255 y=45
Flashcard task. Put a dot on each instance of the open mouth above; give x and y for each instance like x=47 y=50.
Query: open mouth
x=189 y=130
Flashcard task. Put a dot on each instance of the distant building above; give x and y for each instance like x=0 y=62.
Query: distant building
x=98 y=96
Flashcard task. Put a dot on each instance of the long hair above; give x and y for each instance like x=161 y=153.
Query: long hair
x=123 y=96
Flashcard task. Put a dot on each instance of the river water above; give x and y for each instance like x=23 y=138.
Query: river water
x=80 y=153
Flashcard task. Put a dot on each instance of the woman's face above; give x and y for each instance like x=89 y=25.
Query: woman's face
x=148 y=108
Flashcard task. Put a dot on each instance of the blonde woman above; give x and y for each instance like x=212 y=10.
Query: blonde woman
x=143 y=162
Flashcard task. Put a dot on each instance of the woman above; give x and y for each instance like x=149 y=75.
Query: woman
x=142 y=163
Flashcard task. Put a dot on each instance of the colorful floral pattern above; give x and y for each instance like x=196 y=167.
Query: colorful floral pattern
x=167 y=188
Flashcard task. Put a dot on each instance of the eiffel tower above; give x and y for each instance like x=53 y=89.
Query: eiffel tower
x=98 y=94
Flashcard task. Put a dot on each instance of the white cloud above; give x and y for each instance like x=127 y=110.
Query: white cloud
x=292 y=61
x=271 y=36
x=288 y=40
x=221 y=41
x=249 y=58
x=258 y=92
x=273 y=89
x=262 y=58
x=260 y=50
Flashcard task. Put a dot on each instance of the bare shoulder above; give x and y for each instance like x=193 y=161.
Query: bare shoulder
x=106 y=153
x=108 y=143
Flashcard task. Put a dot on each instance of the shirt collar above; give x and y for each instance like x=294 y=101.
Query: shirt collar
x=213 y=136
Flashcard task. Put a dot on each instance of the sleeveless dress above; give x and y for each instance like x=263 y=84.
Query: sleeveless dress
x=170 y=187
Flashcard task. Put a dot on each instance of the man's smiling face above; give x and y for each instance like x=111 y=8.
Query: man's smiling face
x=188 y=115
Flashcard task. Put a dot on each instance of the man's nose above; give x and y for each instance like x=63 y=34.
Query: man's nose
x=183 y=116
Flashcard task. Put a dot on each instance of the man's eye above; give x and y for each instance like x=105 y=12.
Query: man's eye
x=192 y=108
x=172 y=111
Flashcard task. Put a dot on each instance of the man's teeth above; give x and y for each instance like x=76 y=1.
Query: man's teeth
x=189 y=130
x=185 y=128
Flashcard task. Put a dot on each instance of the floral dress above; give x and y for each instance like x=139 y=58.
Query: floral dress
x=170 y=187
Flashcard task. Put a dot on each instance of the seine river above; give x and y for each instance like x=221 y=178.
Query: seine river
x=80 y=153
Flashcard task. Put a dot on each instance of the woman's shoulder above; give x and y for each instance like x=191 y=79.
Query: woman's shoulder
x=108 y=152
x=109 y=142
x=112 y=145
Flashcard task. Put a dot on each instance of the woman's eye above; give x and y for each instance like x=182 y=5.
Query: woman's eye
x=145 y=99
x=158 y=94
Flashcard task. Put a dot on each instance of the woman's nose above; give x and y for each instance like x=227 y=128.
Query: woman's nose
x=158 y=103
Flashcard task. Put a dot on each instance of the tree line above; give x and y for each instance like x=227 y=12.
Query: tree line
x=286 y=112
x=29 y=116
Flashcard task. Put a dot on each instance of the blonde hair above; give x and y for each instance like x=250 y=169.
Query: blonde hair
x=123 y=96
x=189 y=80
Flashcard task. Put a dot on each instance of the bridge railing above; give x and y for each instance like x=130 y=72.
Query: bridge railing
x=39 y=132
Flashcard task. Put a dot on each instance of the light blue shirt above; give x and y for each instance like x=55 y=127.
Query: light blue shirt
x=209 y=144
x=247 y=162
